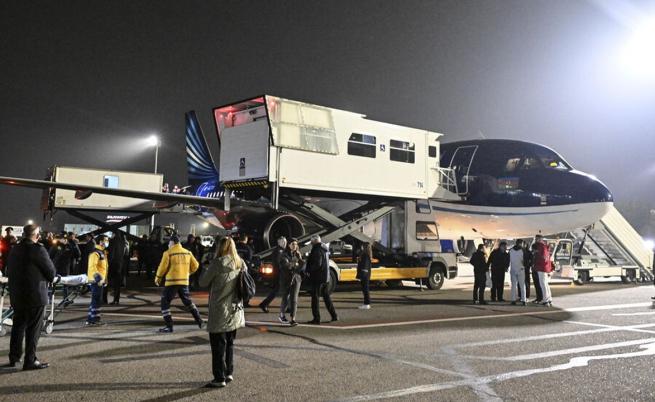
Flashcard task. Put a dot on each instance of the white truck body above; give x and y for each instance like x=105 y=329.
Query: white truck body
x=303 y=146
x=104 y=178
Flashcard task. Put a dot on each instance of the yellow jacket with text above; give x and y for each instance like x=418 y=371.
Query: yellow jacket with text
x=97 y=265
x=176 y=265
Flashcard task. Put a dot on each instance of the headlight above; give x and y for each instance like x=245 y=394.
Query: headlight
x=266 y=270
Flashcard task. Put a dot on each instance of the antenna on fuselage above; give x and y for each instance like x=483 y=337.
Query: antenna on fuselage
x=481 y=134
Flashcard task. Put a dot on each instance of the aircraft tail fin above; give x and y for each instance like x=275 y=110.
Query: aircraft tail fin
x=202 y=172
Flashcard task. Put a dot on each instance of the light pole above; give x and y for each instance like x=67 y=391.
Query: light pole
x=153 y=141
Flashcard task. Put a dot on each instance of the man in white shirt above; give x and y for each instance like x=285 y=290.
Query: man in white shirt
x=517 y=271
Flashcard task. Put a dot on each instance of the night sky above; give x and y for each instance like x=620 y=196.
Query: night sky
x=82 y=83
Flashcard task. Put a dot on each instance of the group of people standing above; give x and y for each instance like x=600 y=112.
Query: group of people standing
x=522 y=265
x=291 y=269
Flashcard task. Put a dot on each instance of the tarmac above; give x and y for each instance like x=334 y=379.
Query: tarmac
x=596 y=343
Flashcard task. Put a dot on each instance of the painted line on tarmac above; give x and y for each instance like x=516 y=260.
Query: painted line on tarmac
x=551 y=336
x=628 y=314
x=582 y=361
x=486 y=317
x=572 y=351
x=634 y=328
x=418 y=322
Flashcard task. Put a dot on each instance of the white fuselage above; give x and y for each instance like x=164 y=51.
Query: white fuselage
x=473 y=221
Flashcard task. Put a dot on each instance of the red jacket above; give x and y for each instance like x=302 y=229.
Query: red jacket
x=542 y=258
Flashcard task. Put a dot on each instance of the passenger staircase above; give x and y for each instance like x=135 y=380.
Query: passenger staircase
x=615 y=240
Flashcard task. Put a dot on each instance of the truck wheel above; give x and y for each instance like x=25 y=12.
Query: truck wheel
x=332 y=284
x=583 y=277
x=436 y=278
x=629 y=277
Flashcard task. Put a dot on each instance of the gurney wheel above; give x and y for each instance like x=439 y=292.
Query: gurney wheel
x=49 y=327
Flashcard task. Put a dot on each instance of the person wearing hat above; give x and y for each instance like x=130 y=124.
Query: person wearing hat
x=177 y=263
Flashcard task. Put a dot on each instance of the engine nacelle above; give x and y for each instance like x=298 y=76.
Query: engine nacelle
x=267 y=228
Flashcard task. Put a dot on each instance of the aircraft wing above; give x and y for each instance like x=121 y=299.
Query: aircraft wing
x=148 y=195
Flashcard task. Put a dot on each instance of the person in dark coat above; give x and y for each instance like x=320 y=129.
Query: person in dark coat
x=535 y=275
x=296 y=266
x=6 y=243
x=318 y=269
x=88 y=245
x=278 y=259
x=141 y=247
x=118 y=249
x=74 y=246
x=63 y=254
x=153 y=254
x=499 y=262
x=480 y=269
x=29 y=269
x=244 y=250
x=193 y=245
x=364 y=263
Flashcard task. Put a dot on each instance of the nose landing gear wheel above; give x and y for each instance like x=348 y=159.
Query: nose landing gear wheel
x=49 y=327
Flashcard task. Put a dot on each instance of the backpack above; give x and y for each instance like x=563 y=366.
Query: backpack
x=246 y=285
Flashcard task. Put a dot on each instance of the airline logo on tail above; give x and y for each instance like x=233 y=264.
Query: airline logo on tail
x=202 y=173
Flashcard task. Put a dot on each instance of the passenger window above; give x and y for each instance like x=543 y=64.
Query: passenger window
x=401 y=151
x=362 y=145
x=110 y=182
x=426 y=231
x=432 y=151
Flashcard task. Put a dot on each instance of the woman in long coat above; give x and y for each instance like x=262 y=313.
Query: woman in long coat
x=225 y=311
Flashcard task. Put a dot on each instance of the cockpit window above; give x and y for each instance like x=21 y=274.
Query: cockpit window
x=530 y=162
x=512 y=164
x=551 y=160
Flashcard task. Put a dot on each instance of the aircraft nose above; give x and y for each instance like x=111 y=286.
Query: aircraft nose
x=596 y=191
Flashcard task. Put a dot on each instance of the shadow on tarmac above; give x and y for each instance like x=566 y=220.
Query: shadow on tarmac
x=197 y=388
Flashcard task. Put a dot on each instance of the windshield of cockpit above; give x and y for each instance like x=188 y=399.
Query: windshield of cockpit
x=550 y=159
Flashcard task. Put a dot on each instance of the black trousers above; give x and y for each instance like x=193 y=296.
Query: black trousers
x=222 y=344
x=366 y=282
x=318 y=290
x=273 y=293
x=527 y=283
x=479 y=285
x=27 y=325
x=167 y=296
x=497 y=284
x=537 y=285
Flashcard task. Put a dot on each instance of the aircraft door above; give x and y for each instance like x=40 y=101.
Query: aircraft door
x=461 y=165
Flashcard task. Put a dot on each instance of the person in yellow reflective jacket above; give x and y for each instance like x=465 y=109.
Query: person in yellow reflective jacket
x=97 y=274
x=176 y=265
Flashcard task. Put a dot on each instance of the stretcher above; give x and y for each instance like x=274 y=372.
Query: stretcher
x=75 y=286
x=5 y=316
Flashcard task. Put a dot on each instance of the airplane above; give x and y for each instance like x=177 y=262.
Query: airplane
x=516 y=189
x=497 y=189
